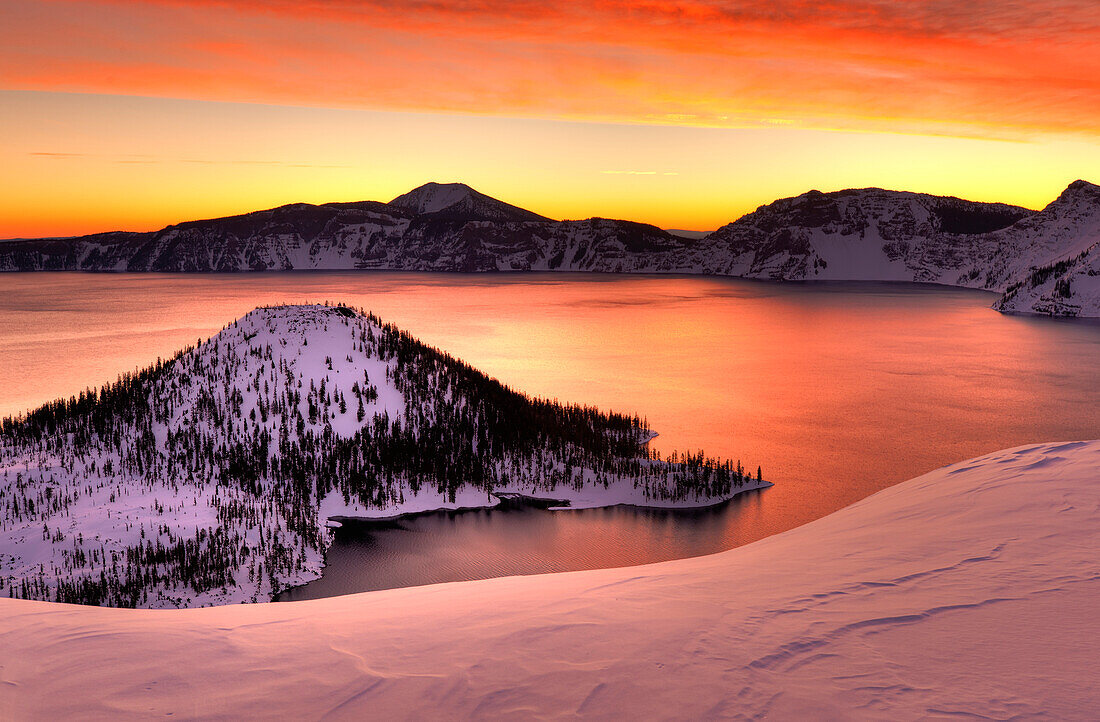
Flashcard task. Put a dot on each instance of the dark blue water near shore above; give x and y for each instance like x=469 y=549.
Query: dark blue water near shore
x=456 y=546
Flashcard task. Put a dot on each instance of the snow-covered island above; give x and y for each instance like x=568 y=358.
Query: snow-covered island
x=212 y=477
x=968 y=593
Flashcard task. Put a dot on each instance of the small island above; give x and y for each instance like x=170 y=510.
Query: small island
x=215 y=477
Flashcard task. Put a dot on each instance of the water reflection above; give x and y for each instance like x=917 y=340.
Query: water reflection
x=838 y=389
x=479 y=544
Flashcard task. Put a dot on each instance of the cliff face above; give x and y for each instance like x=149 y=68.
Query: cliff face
x=865 y=234
x=869 y=234
x=1062 y=273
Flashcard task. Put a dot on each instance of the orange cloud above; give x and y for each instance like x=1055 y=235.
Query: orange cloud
x=983 y=67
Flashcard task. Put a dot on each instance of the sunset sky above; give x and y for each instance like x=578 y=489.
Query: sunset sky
x=138 y=114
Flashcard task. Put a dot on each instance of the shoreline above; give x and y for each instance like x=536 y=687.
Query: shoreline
x=504 y=499
x=676 y=273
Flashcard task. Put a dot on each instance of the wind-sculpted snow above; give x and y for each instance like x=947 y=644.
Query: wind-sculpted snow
x=865 y=234
x=210 y=478
x=967 y=593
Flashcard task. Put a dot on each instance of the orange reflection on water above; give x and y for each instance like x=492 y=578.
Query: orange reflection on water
x=838 y=390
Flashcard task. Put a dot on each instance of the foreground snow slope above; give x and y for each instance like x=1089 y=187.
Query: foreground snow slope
x=968 y=592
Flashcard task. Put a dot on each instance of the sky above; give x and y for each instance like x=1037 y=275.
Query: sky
x=136 y=114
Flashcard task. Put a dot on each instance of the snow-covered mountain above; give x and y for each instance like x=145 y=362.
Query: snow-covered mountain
x=864 y=234
x=1063 y=277
x=211 y=478
x=1070 y=287
x=460 y=200
x=872 y=234
x=867 y=234
x=968 y=593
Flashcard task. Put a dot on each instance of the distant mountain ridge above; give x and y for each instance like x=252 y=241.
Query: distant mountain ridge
x=1044 y=261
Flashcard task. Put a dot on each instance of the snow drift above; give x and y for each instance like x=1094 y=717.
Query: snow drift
x=968 y=592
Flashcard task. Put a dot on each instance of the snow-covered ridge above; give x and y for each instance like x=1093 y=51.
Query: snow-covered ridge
x=860 y=234
x=970 y=592
x=1064 y=277
x=210 y=478
x=1070 y=287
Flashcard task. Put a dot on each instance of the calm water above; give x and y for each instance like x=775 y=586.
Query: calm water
x=839 y=390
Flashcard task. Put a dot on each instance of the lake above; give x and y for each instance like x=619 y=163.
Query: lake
x=837 y=389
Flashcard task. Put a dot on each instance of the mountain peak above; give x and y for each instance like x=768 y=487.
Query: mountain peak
x=1080 y=196
x=459 y=199
x=433 y=197
x=1081 y=189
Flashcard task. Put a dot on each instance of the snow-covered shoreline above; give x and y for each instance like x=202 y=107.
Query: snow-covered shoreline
x=333 y=510
x=970 y=591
